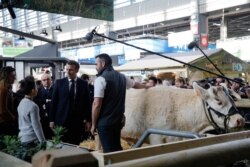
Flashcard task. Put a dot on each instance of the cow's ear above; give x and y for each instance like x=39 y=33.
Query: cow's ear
x=200 y=91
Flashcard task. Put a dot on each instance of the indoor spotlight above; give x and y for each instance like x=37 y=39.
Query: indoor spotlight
x=58 y=29
x=44 y=32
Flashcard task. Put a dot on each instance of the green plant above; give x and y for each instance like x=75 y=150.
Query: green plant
x=57 y=138
x=12 y=145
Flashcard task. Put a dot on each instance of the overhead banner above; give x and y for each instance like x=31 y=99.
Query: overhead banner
x=96 y=9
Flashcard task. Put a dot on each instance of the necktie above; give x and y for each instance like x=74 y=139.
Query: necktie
x=72 y=89
x=72 y=95
x=47 y=91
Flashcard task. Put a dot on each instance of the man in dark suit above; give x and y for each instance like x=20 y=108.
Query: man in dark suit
x=43 y=100
x=70 y=106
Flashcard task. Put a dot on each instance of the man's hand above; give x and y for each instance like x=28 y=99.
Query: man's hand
x=51 y=125
x=123 y=120
x=93 y=130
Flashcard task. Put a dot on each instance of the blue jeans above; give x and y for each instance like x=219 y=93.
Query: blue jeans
x=110 y=138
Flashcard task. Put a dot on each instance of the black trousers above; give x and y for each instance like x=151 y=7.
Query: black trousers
x=110 y=137
x=74 y=130
x=48 y=133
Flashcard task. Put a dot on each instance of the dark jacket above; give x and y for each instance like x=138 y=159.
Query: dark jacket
x=43 y=100
x=60 y=105
x=113 y=104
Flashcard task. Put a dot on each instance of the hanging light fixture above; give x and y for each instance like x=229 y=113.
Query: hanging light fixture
x=44 y=32
x=21 y=37
x=58 y=29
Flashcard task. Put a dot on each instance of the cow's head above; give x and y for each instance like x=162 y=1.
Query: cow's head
x=220 y=108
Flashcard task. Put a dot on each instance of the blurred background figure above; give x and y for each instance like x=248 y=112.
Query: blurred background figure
x=238 y=87
x=219 y=80
x=180 y=83
x=152 y=81
x=159 y=81
x=8 y=115
x=86 y=78
x=19 y=94
x=91 y=87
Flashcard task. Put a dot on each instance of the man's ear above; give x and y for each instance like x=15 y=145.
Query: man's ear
x=103 y=64
x=200 y=91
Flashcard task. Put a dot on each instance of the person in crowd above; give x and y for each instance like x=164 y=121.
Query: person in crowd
x=19 y=94
x=219 y=80
x=109 y=103
x=31 y=132
x=43 y=100
x=91 y=94
x=70 y=105
x=152 y=81
x=8 y=115
x=159 y=81
x=38 y=84
x=91 y=87
x=180 y=83
x=238 y=87
x=248 y=91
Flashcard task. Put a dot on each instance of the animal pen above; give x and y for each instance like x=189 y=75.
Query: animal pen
x=208 y=151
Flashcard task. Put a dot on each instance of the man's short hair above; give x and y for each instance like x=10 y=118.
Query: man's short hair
x=85 y=76
x=74 y=63
x=106 y=58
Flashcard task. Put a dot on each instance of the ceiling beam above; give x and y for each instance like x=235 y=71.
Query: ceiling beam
x=27 y=35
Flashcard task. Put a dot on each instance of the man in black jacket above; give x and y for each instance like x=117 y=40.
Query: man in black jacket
x=43 y=100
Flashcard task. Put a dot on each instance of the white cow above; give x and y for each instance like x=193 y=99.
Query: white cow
x=177 y=109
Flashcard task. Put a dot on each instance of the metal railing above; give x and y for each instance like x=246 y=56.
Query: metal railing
x=175 y=133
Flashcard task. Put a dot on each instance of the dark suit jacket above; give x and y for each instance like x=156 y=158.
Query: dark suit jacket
x=60 y=105
x=40 y=100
